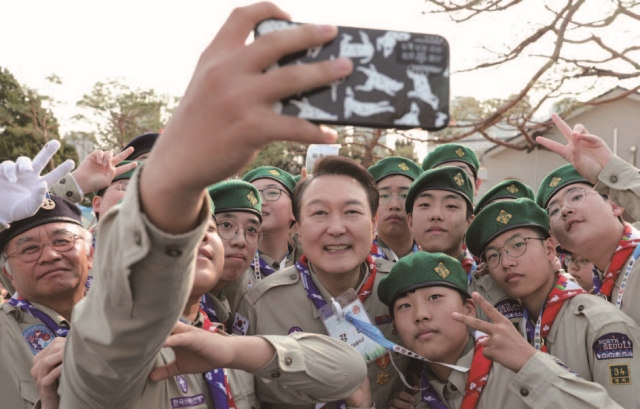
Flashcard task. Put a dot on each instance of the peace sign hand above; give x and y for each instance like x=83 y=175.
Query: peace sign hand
x=587 y=153
x=504 y=344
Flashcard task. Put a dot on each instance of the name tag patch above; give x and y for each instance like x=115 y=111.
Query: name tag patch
x=188 y=401
x=613 y=345
x=240 y=325
x=619 y=374
x=509 y=308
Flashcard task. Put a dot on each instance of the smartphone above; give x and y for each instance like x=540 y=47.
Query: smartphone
x=400 y=79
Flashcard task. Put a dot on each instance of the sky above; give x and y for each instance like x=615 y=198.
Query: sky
x=155 y=44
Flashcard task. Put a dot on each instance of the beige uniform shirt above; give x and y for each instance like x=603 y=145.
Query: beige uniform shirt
x=21 y=337
x=487 y=287
x=280 y=306
x=68 y=188
x=621 y=182
x=542 y=383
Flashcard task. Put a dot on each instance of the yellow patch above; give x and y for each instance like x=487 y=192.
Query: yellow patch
x=555 y=182
x=504 y=217
x=442 y=270
x=274 y=172
x=460 y=152
x=619 y=374
x=252 y=199
x=512 y=189
x=403 y=166
x=458 y=179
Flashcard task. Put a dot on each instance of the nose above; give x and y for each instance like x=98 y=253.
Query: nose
x=336 y=225
x=395 y=203
x=422 y=312
x=436 y=213
x=239 y=240
x=506 y=260
x=49 y=254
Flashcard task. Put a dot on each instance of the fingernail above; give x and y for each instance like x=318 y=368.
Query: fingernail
x=328 y=28
x=343 y=65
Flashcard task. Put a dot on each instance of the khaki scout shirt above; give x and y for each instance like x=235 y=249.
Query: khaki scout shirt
x=621 y=182
x=17 y=387
x=487 y=287
x=280 y=305
x=68 y=188
x=542 y=383
x=120 y=327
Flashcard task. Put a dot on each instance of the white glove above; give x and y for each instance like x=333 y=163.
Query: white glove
x=22 y=189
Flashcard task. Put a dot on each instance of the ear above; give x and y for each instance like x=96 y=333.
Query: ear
x=550 y=248
x=90 y=255
x=7 y=274
x=95 y=202
x=617 y=210
x=478 y=184
x=410 y=221
x=470 y=219
x=469 y=308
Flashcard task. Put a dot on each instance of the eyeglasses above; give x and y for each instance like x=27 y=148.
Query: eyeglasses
x=228 y=230
x=514 y=247
x=577 y=263
x=119 y=186
x=386 y=197
x=29 y=252
x=574 y=199
x=271 y=194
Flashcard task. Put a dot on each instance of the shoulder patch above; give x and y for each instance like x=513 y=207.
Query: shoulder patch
x=619 y=375
x=288 y=276
x=38 y=337
x=240 y=325
x=613 y=345
x=510 y=308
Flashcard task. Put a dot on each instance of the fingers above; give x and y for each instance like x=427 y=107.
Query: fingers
x=286 y=81
x=43 y=157
x=488 y=309
x=51 y=378
x=124 y=168
x=164 y=372
x=562 y=126
x=122 y=156
x=9 y=170
x=553 y=146
x=58 y=173
x=96 y=156
x=106 y=158
x=473 y=322
x=268 y=49
x=579 y=128
x=303 y=174
x=240 y=23
x=23 y=164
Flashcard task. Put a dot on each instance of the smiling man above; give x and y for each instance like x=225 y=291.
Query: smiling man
x=335 y=209
x=589 y=335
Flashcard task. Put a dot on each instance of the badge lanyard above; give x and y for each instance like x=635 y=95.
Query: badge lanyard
x=627 y=272
x=36 y=313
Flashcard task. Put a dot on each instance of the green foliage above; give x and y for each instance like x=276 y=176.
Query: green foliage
x=288 y=156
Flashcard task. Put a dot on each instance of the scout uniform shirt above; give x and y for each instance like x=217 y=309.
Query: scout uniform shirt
x=280 y=305
x=544 y=382
x=487 y=287
x=621 y=182
x=21 y=337
x=68 y=188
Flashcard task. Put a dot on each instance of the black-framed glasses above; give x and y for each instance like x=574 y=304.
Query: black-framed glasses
x=574 y=199
x=514 y=247
x=30 y=251
x=271 y=194
x=228 y=230
x=576 y=263
x=386 y=196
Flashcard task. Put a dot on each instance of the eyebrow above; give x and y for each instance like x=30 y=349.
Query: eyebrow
x=32 y=238
x=496 y=248
x=551 y=203
x=448 y=196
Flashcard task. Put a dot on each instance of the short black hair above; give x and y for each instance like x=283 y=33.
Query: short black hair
x=334 y=165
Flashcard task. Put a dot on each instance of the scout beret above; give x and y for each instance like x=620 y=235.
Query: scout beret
x=563 y=176
x=53 y=210
x=445 y=178
x=451 y=152
x=419 y=270
x=236 y=196
x=271 y=172
x=142 y=144
x=394 y=165
x=507 y=189
x=297 y=178
x=501 y=217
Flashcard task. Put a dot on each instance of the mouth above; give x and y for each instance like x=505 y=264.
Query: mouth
x=265 y=214
x=512 y=278
x=394 y=218
x=571 y=223
x=202 y=253
x=425 y=334
x=336 y=248
x=53 y=271
x=436 y=230
x=240 y=257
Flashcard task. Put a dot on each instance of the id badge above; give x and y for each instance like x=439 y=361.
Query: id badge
x=338 y=327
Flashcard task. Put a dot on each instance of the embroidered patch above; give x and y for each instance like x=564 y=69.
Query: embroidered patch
x=566 y=368
x=252 y=199
x=512 y=189
x=619 y=374
x=274 y=172
x=403 y=166
x=38 y=337
x=613 y=345
x=182 y=384
x=555 y=182
x=458 y=179
x=510 y=308
x=293 y=330
x=460 y=152
x=504 y=217
x=383 y=319
x=188 y=401
x=355 y=310
x=442 y=270
x=48 y=204
x=240 y=325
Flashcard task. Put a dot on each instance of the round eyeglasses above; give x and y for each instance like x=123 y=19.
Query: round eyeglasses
x=30 y=251
x=386 y=197
x=228 y=230
x=574 y=199
x=271 y=194
x=576 y=263
x=514 y=247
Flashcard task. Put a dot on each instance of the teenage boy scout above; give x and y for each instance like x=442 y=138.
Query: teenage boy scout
x=335 y=209
x=424 y=291
x=589 y=335
x=393 y=176
x=238 y=215
x=108 y=197
x=276 y=188
x=454 y=154
x=584 y=222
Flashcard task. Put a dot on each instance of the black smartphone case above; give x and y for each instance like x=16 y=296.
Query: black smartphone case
x=400 y=80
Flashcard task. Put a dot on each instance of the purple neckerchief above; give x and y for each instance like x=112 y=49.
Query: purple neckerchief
x=217 y=390
x=207 y=306
x=597 y=282
x=377 y=252
x=530 y=327
x=428 y=394
x=36 y=313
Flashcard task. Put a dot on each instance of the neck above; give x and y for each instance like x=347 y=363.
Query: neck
x=401 y=245
x=442 y=372
x=63 y=305
x=601 y=251
x=456 y=252
x=338 y=283
x=275 y=244
x=534 y=302
x=190 y=311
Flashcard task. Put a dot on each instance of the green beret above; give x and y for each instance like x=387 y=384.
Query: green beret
x=501 y=217
x=271 y=172
x=394 y=165
x=236 y=196
x=126 y=175
x=451 y=152
x=422 y=269
x=297 y=178
x=507 y=189
x=445 y=178
x=563 y=176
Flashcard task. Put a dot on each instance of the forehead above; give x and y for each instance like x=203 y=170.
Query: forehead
x=334 y=189
x=395 y=181
x=562 y=192
x=265 y=183
x=238 y=217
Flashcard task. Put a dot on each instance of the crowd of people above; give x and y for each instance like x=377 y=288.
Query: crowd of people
x=395 y=286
